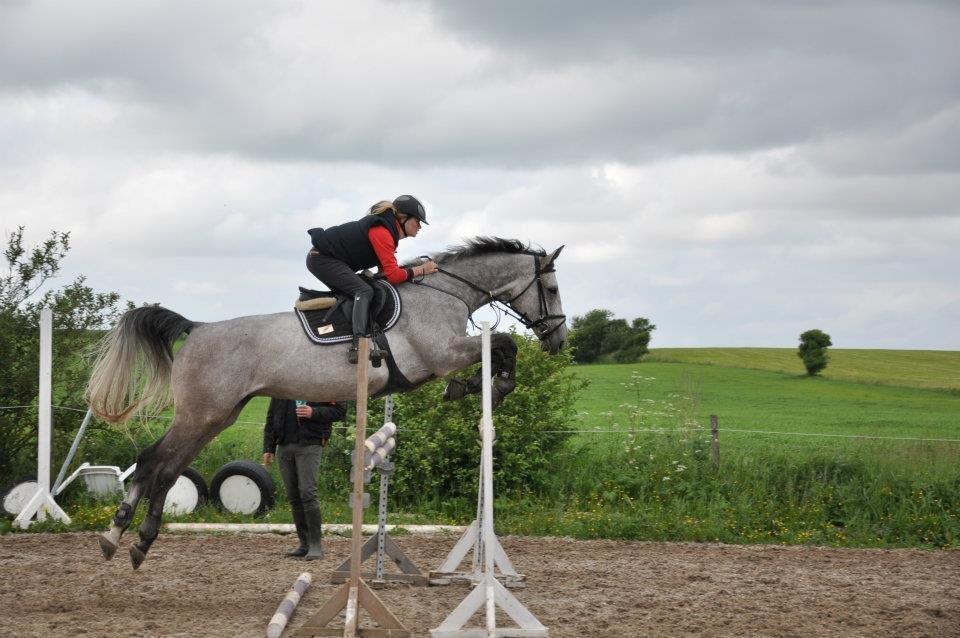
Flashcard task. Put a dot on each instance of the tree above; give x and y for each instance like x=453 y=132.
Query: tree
x=638 y=343
x=813 y=350
x=78 y=314
x=586 y=337
x=596 y=334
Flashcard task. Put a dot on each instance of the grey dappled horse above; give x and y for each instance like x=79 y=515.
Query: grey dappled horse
x=222 y=365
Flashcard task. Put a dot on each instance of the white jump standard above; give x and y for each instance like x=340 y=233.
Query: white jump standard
x=489 y=592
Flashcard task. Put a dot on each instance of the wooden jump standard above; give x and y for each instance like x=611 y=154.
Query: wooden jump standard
x=377 y=449
x=355 y=594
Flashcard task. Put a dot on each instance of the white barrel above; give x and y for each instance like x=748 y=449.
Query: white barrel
x=289 y=603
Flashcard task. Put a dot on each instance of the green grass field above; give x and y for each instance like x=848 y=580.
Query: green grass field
x=760 y=389
x=928 y=369
x=672 y=395
x=797 y=461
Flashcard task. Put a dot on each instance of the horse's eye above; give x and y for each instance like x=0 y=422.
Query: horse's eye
x=552 y=289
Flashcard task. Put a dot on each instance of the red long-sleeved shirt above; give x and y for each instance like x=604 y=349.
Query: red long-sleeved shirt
x=385 y=247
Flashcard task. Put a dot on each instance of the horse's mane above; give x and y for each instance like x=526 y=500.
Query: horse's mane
x=486 y=245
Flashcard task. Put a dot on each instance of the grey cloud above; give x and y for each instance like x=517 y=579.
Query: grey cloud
x=778 y=73
x=512 y=85
x=159 y=48
x=929 y=145
x=573 y=31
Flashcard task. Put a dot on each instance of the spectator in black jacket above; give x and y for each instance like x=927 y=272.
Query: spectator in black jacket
x=301 y=431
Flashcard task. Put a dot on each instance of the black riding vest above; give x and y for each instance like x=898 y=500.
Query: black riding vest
x=349 y=242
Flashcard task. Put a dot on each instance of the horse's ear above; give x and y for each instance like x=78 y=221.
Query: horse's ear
x=556 y=254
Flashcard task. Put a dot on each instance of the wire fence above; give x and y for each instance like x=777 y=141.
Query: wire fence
x=621 y=431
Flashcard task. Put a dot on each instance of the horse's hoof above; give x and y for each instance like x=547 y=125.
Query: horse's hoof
x=456 y=389
x=505 y=386
x=501 y=388
x=107 y=546
x=136 y=556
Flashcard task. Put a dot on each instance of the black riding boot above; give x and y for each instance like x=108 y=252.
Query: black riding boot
x=300 y=521
x=361 y=328
x=314 y=532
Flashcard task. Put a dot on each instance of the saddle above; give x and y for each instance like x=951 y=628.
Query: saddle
x=327 y=316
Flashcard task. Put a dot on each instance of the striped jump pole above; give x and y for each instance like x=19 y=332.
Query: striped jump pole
x=287 y=605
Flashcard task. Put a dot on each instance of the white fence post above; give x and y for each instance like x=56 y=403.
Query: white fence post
x=42 y=503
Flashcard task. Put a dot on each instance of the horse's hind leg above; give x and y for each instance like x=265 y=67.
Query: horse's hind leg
x=150 y=527
x=121 y=521
x=168 y=460
x=173 y=454
x=128 y=507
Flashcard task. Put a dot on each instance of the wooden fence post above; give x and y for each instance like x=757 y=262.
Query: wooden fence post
x=714 y=442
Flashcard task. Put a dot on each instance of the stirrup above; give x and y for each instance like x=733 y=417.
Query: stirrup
x=376 y=354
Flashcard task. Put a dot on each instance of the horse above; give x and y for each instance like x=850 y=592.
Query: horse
x=222 y=365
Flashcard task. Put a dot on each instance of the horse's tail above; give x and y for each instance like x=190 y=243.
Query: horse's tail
x=134 y=361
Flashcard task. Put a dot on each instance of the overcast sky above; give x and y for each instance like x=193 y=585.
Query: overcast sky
x=737 y=172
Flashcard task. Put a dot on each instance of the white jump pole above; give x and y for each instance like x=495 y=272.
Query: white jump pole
x=42 y=503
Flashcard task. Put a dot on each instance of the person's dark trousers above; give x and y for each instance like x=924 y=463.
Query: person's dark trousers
x=299 y=466
x=338 y=276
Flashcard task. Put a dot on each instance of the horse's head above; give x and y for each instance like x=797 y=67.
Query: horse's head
x=535 y=296
x=508 y=271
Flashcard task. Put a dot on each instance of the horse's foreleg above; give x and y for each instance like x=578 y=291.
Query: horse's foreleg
x=503 y=362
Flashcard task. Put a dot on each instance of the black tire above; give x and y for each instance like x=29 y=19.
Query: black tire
x=202 y=494
x=12 y=496
x=243 y=487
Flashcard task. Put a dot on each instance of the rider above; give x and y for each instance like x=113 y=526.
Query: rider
x=340 y=251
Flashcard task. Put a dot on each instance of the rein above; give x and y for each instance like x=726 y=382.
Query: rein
x=504 y=304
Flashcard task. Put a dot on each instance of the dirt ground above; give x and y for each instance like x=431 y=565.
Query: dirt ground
x=230 y=585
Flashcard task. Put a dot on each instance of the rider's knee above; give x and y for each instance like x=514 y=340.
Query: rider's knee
x=363 y=294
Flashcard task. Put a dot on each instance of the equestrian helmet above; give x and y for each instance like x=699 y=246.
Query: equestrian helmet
x=411 y=207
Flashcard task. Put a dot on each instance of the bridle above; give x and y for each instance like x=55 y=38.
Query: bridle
x=540 y=325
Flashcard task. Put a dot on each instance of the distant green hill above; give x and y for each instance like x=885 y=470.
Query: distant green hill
x=927 y=369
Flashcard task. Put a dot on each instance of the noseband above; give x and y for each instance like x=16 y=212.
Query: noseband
x=539 y=326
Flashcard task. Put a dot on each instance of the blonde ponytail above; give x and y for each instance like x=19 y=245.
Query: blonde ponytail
x=382 y=207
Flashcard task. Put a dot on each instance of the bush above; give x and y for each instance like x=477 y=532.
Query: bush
x=438 y=442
